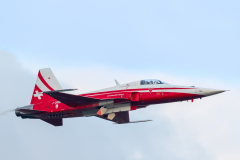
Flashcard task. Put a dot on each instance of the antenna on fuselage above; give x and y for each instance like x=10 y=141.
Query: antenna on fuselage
x=117 y=83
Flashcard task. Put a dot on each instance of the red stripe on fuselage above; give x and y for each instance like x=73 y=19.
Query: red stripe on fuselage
x=127 y=90
x=44 y=82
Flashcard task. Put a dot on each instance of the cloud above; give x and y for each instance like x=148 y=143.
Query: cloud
x=137 y=155
x=16 y=82
x=204 y=129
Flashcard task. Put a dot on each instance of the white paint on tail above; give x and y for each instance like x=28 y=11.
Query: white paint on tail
x=49 y=77
x=41 y=86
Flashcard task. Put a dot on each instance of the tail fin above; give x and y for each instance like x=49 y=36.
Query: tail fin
x=46 y=81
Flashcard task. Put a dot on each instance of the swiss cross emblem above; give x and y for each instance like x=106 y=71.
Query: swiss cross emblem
x=150 y=90
x=38 y=94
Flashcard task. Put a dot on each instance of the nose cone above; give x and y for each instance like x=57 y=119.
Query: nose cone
x=209 y=92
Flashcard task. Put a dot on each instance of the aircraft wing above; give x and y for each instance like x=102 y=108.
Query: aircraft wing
x=71 y=100
x=74 y=100
x=121 y=117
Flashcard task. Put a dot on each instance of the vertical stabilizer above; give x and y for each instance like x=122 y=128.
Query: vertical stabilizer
x=46 y=81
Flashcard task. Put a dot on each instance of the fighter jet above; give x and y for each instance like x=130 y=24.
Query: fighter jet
x=49 y=103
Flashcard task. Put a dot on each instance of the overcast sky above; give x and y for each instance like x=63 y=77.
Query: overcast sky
x=88 y=44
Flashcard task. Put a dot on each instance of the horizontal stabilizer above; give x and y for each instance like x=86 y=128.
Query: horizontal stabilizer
x=54 y=122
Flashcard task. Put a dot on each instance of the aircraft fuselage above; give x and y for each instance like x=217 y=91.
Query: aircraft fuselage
x=50 y=104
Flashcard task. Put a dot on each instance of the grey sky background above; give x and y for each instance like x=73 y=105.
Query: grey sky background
x=88 y=44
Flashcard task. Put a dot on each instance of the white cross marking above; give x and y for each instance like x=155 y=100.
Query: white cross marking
x=38 y=94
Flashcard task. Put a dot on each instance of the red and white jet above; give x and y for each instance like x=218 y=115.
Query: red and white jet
x=51 y=105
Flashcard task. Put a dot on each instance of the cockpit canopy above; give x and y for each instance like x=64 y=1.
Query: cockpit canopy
x=151 y=81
